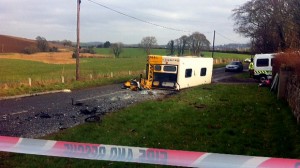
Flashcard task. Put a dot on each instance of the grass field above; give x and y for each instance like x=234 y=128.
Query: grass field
x=131 y=52
x=138 y=52
x=14 y=73
x=210 y=118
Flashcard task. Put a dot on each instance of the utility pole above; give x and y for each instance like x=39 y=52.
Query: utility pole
x=213 y=51
x=78 y=39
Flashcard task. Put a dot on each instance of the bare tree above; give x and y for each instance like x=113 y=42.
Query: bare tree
x=295 y=12
x=148 y=43
x=117 y=48
x=271 y=24
x=198 y=43
x=42 y=44
x=67 y=43
x=171 y=47
x=181 y=44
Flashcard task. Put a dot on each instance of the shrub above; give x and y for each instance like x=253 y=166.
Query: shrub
x=30 y=50
x=288 y=60
x=53 y=49
x=74 y=54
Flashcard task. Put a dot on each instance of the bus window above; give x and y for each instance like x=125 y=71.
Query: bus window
x=170 y=68
x=188 y=73
x=157 y=68
x=203 y=71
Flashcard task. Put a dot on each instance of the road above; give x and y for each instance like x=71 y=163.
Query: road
x=36 y=116
x=220 y=74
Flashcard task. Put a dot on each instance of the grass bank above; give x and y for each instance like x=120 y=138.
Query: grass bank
x=231 y=119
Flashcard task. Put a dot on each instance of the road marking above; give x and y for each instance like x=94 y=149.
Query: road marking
x=15 y=113
x=19 y=112
x=101 y=96
x=35 y=94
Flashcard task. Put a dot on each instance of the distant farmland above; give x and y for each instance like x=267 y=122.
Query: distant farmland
x=10 y=44
x=56 y=70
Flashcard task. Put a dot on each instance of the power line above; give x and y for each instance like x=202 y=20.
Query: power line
x=226 y=37
x=135 y=18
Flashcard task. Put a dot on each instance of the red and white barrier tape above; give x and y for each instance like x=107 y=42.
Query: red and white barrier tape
x=140 y=155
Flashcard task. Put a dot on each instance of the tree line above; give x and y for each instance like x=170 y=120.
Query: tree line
x=42 y=45
x=194 y=44
x=272 y=25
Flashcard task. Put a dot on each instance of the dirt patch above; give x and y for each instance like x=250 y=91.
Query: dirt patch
x=88 y=55
x=49 y=58
x=11 y=44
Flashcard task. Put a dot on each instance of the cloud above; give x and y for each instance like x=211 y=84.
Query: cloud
x=56 y=19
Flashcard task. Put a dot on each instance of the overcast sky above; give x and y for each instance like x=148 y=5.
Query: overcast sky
x=56 y=19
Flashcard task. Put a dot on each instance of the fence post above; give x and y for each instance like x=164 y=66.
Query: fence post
x=129 y=72
x=62 y=79
x=29 y=81
x=111 y=74
x=91 y=76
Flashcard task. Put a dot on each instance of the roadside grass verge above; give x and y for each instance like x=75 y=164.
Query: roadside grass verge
x=230 y=119
x=219 y=65
x=14 y=74
x=227 y=55
x=244 y=75
x=13 y=90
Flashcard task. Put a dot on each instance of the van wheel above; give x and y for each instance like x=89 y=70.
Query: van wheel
x=262 y=78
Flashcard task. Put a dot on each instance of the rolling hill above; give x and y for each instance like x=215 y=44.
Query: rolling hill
x=10 y=44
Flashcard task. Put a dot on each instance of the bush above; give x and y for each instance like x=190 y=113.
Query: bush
x=30 y=50
x=74 y=54
x=84 y=50
x=53 y=49
x=288 y=60
x=87 y=50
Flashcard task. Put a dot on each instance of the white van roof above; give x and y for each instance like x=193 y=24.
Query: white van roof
x=265 y=55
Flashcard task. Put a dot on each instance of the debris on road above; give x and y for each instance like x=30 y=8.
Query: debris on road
x=44 y=118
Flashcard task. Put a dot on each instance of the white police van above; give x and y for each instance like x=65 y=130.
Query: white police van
x=263 y=66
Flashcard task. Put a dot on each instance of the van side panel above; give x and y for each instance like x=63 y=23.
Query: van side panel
x=194 y=71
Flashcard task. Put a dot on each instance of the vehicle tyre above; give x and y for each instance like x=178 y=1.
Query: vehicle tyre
x=262 y=78
x=93 y=118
